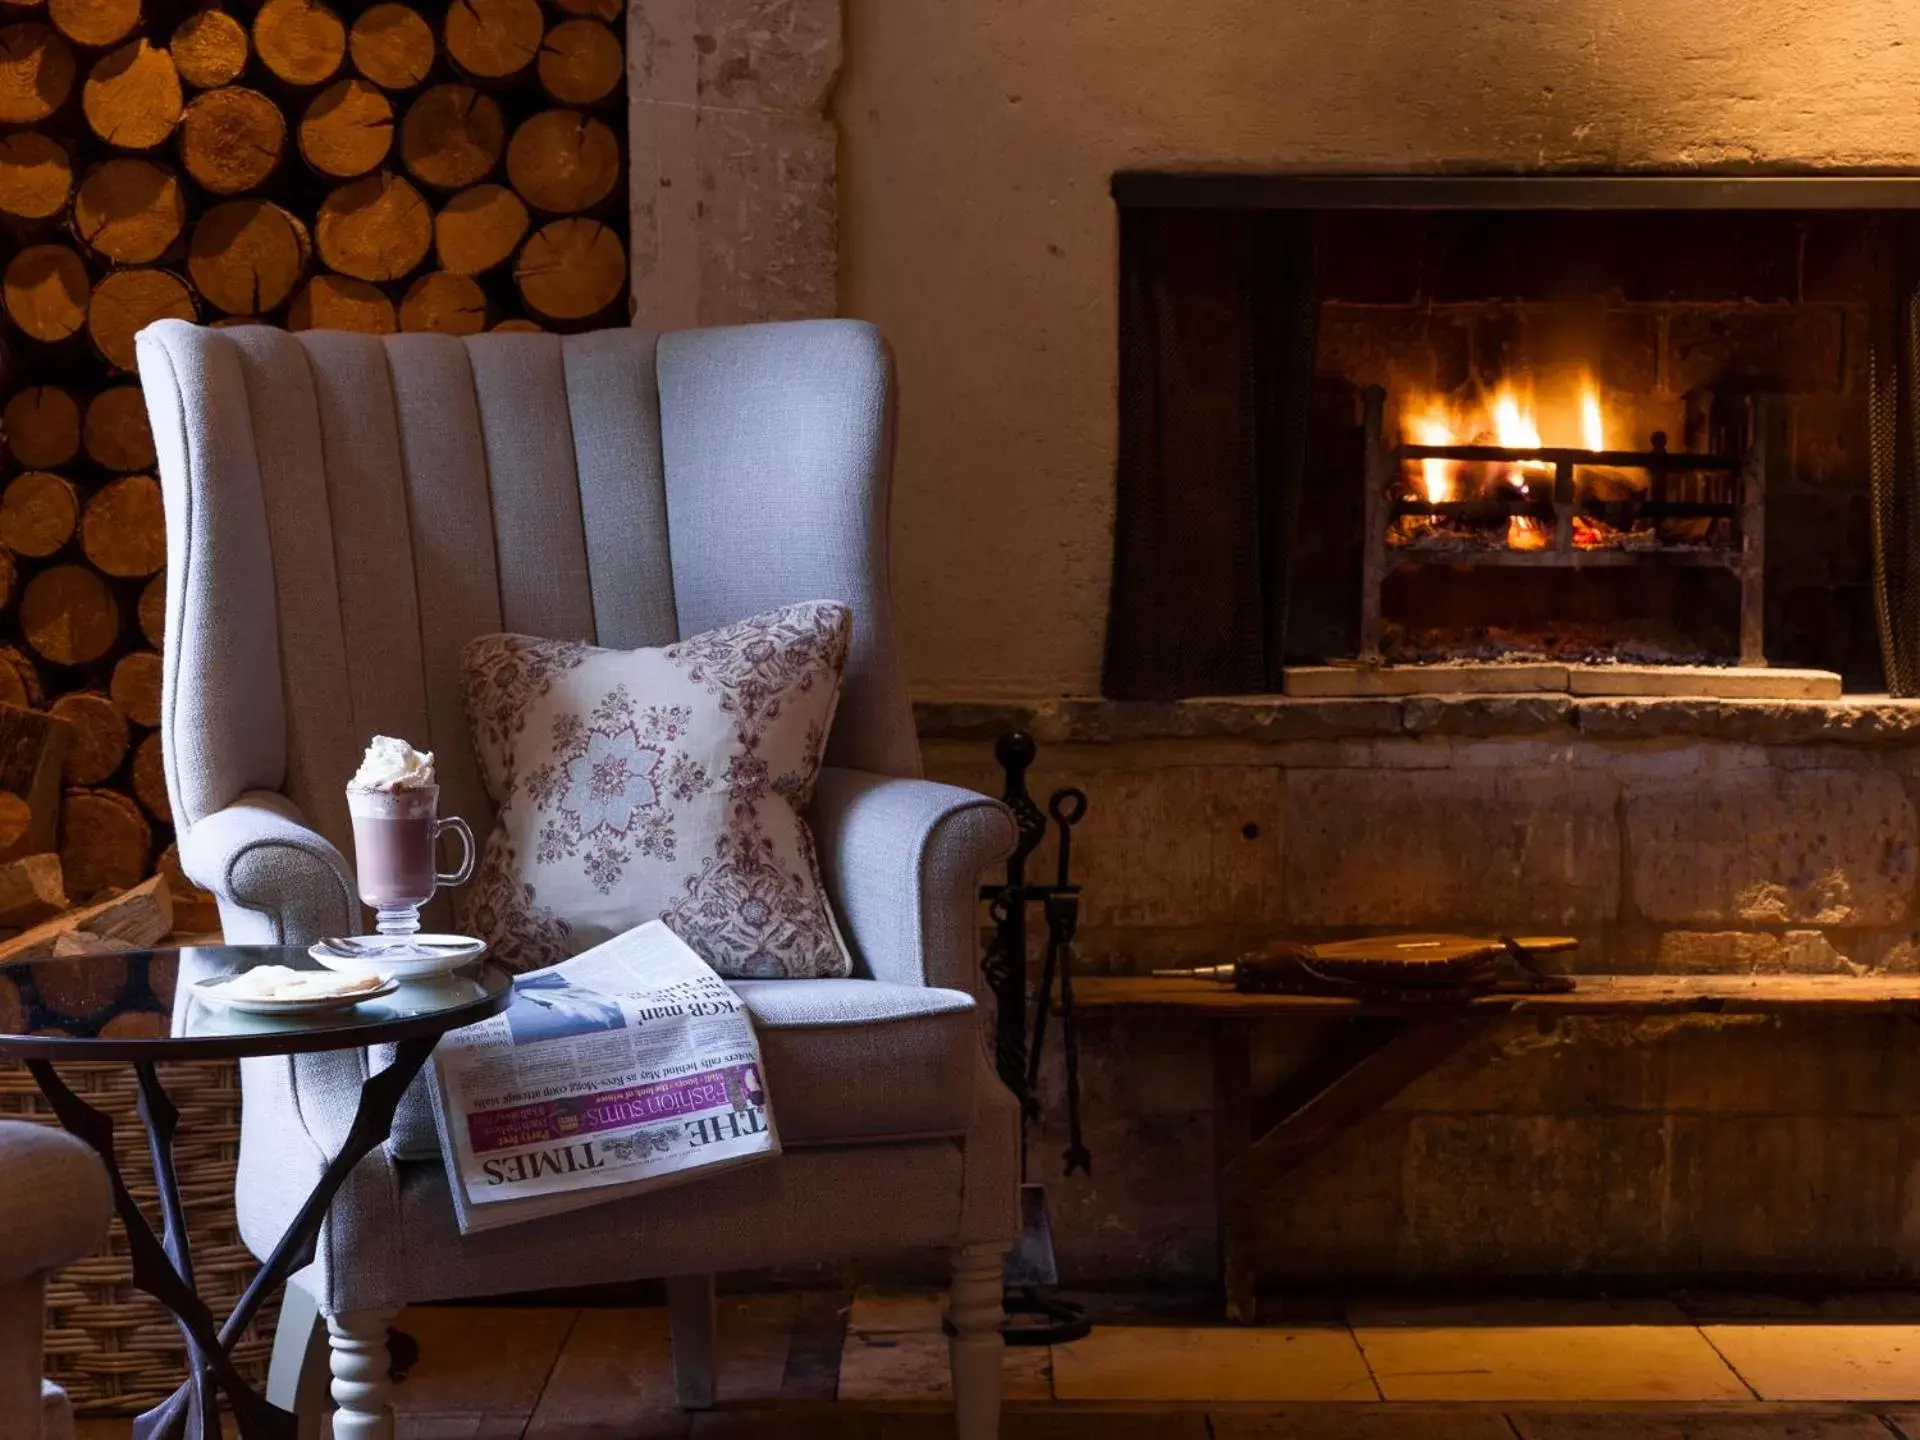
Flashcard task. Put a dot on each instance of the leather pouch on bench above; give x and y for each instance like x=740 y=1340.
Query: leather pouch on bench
x=1400 y=969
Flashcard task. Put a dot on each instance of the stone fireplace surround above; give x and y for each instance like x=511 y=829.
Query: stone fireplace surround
x=972 y=148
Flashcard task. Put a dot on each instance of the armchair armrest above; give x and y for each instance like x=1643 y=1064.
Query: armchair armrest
x=54 y=1201
x=903 y=860
x=281 y=883
x=278 y=882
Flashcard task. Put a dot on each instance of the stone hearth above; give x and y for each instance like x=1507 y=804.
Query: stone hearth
x=1671 y=835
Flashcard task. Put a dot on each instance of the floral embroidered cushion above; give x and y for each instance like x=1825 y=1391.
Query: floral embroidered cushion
x=667 y=783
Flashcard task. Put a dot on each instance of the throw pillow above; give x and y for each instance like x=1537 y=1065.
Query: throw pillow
x=666 y=783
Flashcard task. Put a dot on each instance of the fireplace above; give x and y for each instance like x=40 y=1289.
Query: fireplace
x=1615 y=422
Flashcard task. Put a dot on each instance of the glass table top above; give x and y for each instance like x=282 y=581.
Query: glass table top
x=141 y=1005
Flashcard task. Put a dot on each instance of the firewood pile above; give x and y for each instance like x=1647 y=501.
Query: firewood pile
x=74 y=860
x=380 y=167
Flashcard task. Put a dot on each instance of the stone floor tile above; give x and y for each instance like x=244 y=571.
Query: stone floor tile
x=1102 y=1425
x=815 y=1345
x=1824 y=1360
x=1848 y=1305
x=822 y=1425
x=814 y=1424
x=1704 y=1425
x=755 y=1332
x=1542 y=1350
x=480 y=1359
x=912 y=1365
x=1224 y=1363
x=411 y=1426
x=613 y=1377
x=1346 y=1422
x=876 y=1311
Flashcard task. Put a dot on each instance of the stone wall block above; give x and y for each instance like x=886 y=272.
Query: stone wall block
x=1406 y=1198
x=1576 y=1067
x=1443 y=848
x=767 y=216
x=1715 y=952
x=663 y=63
x=1477 y=715
x=734 y=209
x=1773 y=847
x=1840 y=1216
x=780 y=55
x=1801 y=1067
x=1187 y=846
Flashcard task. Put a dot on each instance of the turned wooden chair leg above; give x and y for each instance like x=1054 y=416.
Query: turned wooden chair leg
x=690 y=1322
x=975 y=1351
x=298 y=1377
x=362 y=1382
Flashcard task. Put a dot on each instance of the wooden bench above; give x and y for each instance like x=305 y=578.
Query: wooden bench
x=1381 y=1049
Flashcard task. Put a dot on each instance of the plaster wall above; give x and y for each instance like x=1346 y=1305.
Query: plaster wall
x=978 y=138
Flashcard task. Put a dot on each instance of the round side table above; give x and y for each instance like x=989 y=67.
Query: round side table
x=133 y=1006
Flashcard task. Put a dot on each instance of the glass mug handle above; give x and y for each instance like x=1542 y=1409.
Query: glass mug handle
x=464 y=870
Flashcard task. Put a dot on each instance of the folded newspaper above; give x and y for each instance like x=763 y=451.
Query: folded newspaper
x=628 y=1068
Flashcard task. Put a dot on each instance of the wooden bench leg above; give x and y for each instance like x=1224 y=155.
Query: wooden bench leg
x=1370 y=1064
x=1232 y=1134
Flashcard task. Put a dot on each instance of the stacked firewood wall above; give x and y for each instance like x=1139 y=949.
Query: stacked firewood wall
x=453 y=167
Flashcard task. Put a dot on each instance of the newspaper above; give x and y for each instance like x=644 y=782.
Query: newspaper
x=628 y=1068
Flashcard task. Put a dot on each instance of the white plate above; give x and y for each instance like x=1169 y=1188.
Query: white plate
x=210 y=992
x=401 y=957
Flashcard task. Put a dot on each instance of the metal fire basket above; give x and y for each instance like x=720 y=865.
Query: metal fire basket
x=1735 y=483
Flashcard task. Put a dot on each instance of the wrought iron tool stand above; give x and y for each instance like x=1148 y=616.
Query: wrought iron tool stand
x=1034 y=1316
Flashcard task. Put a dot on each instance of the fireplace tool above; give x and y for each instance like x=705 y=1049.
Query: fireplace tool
x=1035 y=1317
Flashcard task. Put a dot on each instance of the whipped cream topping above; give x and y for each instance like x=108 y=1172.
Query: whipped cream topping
x=391 y=765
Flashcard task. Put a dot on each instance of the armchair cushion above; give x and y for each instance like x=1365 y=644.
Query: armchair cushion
x=847 y=1062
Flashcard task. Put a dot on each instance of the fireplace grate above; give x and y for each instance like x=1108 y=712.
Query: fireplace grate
x=1727 y=489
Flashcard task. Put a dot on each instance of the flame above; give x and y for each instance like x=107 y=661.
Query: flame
x=1593 y=434
x=1513 y=426
x=1526 y=533
x=1436 y=476
x=1509 y=419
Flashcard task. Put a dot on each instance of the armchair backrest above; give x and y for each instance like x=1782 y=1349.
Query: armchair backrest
x=344 y=512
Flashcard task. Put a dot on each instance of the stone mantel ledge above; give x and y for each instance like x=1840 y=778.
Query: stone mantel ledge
x=1872 y=720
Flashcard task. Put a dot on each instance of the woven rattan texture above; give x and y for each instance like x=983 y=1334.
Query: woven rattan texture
x=115 y=1349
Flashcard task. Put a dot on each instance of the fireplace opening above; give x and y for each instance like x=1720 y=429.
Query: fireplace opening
x=1615 y=421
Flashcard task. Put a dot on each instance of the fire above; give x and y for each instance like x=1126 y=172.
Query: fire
x=1508 y=419
x=1524 y=532
x=1514 y=426
x=1593 y=431
x=1436 y=476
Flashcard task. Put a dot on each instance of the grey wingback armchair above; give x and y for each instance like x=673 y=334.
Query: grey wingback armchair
x=343 y=513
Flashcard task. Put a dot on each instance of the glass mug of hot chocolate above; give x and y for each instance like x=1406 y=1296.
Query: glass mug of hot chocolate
x=395 y=804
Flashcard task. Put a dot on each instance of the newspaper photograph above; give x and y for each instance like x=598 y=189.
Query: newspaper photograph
x=630 y=1067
